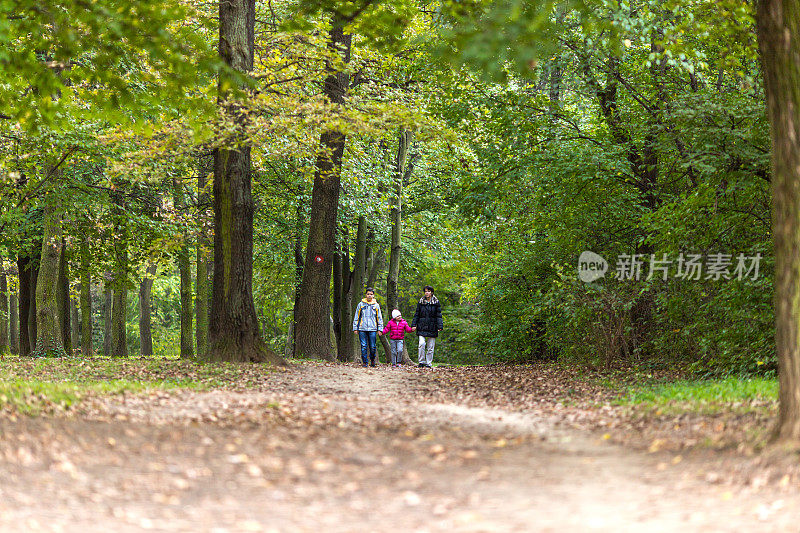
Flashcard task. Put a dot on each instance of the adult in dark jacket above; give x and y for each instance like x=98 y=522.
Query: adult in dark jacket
x=427 y=323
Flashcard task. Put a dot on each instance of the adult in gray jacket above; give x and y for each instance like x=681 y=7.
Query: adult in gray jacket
x=368 y=322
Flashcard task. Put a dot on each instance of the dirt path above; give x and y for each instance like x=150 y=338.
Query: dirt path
x=342 y=448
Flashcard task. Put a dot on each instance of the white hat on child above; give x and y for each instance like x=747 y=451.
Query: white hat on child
x=395 y=313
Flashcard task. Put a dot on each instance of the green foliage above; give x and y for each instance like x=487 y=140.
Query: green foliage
x=705 y=396
x=676 y=162
x=86 y=59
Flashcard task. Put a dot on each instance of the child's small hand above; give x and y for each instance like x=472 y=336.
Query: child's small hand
x=380 y=334
x=414 y=328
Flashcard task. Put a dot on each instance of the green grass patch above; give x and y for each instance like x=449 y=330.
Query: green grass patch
x=705 y=396
x=35 y=385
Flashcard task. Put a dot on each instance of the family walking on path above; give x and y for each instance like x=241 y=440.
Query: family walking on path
x=427 y=323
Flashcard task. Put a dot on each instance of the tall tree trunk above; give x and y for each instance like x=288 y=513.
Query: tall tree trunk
x=356 y=288
x=376 y=267
x=145 y=304
x=298 y=267
x=288 y=349
x=343 y=283
x=202 y=285
x=108 y=305
x=779 y=42
x=32 y=326
x=23 y=268
x=75 y=321
x=119 y=307
x=4 y=316
x=62 y=298
x=86 y=300
x=344 y=345
x=3 y=309
x=234 y=329
x=13 y=323
x=396 y=216
x=339 y=262
x=313 y=320
x=49 y=332
x=185 y=273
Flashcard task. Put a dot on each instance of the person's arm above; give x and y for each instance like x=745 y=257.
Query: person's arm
x=380 y=318
x=407 y=327
x=439 y=319
x=416 y=317
x=385 y=329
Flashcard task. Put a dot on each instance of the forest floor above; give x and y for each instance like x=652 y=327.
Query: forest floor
x=340 y=448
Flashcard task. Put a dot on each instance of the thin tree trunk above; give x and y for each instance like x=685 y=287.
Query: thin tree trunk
x=298 y=267
x=49 y=332
x=63 y=301
x=406 y=358
x=288 y=350
x=24 y=273
x=344 y=345
x=778 y=24
x=3 y=309
x=86 y=301
x=343 y=284
x=75 y=321
x=234 y=329
x=387 y=349
x=13 y=323
x=32 y=326
x=396 y=216
x=376 y=268
x=185 y=273
x=202 y=285
x=338 y=264
x=314 y=316
x=145 y=304
x=119 y=307
x=357 y=286
x=108 y=304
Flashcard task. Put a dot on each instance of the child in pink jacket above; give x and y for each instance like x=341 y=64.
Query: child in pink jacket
x=396 y=328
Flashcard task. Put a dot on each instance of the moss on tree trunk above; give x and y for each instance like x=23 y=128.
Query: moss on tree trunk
x=48 y=328
x=779 y=41
x=234 y=330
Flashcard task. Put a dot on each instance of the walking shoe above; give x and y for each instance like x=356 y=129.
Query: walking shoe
x=422 y=365
x=372 y=362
